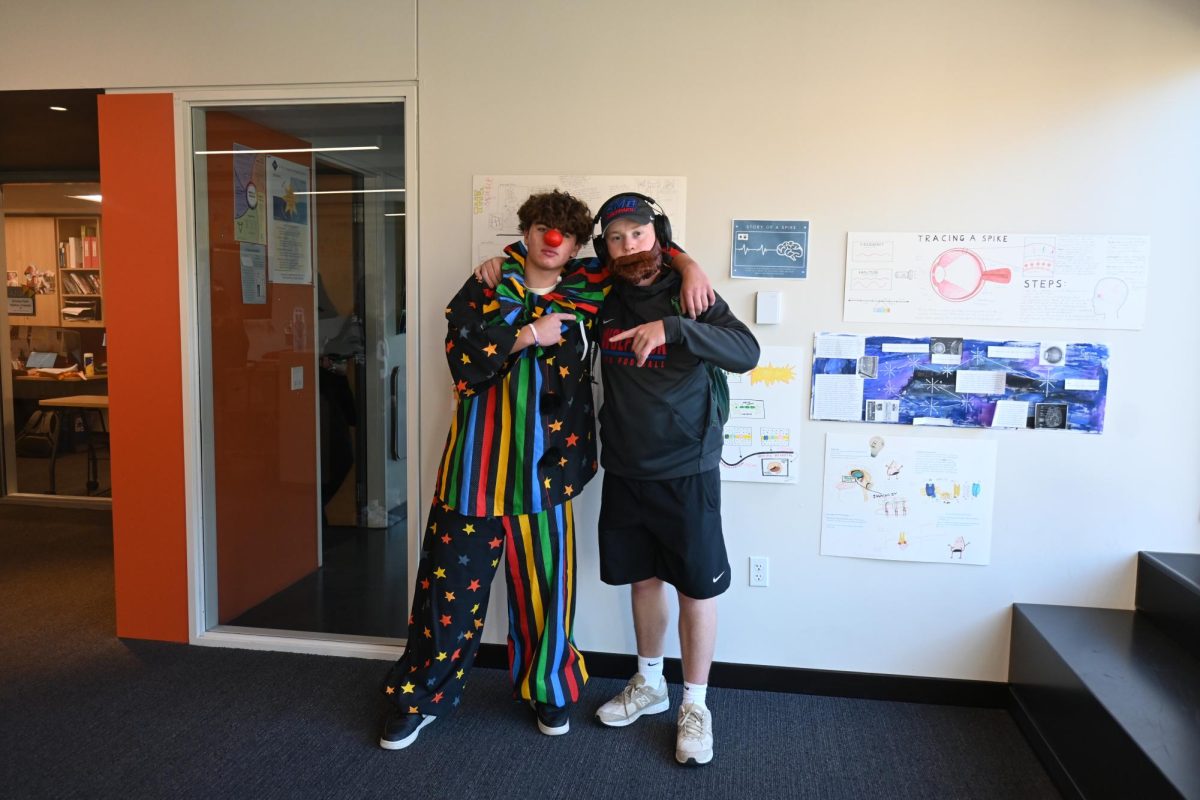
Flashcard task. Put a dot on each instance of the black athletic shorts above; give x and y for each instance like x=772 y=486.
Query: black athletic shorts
x=669 y=529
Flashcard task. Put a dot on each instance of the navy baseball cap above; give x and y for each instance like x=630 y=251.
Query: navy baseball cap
x=625 y=206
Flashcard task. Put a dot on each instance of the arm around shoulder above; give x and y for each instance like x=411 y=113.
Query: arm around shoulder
x=719 y=337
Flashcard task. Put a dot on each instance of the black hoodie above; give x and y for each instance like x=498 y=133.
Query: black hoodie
x=656 y=422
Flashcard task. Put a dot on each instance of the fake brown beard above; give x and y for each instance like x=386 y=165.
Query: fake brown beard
x=637 y=267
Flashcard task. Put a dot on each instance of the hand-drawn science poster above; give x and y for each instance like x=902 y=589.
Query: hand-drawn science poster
x=1034 y=280
x=908 y=498
x=496 y=198
x=969 y=383
x=763 y=432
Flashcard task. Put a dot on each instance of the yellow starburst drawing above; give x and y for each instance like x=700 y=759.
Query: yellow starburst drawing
x=772 y=374
x=289 y=200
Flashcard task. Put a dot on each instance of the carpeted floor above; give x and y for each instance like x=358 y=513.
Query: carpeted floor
x=70 y=475
x=83 y=714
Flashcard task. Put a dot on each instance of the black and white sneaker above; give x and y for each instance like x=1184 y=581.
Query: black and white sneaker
x=553 y=720
x=400 y=729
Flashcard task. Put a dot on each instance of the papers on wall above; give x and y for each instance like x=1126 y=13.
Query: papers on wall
x=959 y=382
x=249 y=180
x=837 y=397
x=767 y=248
x=19 y=303
x=908 y=498
x=289 y=240
x=763 y=432
x=253 y=259
x=840 y=346
x=1011 y=414
x=1036 y=280
x=496 y=198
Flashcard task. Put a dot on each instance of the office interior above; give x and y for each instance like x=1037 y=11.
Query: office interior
x=934 y=115
x=54 y=343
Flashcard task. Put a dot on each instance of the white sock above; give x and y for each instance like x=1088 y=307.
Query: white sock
x=651 y=669
x=695 y=693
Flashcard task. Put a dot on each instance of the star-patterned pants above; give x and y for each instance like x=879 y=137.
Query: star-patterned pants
x=459 y=557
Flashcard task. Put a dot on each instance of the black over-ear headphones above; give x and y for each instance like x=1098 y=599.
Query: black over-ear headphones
x=662 y=225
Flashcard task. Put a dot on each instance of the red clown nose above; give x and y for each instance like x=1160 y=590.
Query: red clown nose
x=553 y=237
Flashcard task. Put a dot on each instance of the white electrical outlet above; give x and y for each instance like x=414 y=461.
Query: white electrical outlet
x=297 y=378
x=760 y=571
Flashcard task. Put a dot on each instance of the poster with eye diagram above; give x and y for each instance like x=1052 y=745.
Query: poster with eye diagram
x=908 y=498
x=1021 y=279
x=763 y=431
x=956 y=382
x=496 y=198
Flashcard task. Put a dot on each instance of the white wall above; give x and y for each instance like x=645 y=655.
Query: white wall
x=1058 y=117
x=1015 y=116
x=65 y=44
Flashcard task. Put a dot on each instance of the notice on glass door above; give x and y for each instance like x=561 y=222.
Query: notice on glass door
x=289 y=232
x=253 y=258
x=249 y=180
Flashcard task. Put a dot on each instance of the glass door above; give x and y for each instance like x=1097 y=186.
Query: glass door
x=300 y=248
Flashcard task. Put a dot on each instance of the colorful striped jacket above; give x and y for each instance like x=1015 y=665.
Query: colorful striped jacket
x=523 y=436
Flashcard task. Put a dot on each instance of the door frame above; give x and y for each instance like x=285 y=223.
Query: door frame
x=197 y=439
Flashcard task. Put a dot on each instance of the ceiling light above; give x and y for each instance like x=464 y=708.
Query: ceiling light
x=352 y=191
x=95 y=198
x=286 y=150
x=58 y=108
x=398 y=214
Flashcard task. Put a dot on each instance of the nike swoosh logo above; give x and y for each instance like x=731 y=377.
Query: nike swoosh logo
x=605 y=322
x=719 y=576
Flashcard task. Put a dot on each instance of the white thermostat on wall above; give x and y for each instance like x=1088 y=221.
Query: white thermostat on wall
x=769 y=308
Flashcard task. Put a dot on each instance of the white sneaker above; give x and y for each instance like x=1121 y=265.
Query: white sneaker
x=694 y=740
x=636 y=699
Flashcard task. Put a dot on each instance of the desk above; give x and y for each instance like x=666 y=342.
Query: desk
x=79 y=404
x=35 y=387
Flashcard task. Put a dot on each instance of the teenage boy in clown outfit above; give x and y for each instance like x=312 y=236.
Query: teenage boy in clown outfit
x=521 y=445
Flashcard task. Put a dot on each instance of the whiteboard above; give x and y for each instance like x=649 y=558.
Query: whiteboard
x=496 y=198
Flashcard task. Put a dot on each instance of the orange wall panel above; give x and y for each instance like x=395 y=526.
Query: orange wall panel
x=141 y=309
x=265 y=434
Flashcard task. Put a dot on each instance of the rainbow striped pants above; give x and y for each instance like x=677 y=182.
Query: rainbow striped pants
x=459 y=557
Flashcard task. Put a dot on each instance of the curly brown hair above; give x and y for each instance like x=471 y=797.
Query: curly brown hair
x=558 y=210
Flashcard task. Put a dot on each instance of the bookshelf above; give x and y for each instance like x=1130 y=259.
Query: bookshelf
x=80 y=285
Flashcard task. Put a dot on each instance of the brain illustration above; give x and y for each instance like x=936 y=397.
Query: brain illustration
x=789 y=250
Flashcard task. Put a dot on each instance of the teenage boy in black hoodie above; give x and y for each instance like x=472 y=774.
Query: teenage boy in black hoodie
x=661 y=431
